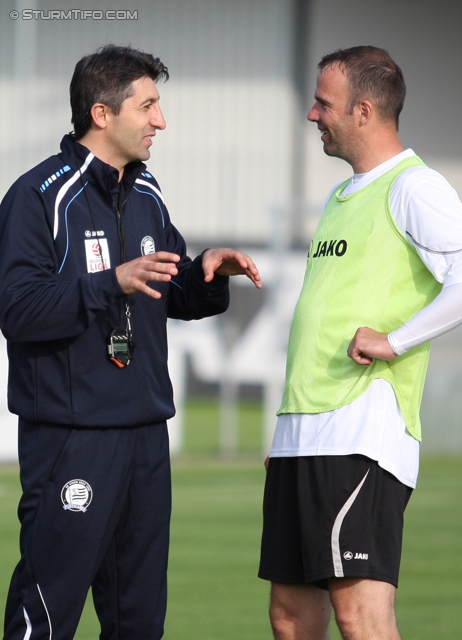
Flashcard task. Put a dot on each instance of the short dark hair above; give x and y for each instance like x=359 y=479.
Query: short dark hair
x=106 y=76
x=372 y=74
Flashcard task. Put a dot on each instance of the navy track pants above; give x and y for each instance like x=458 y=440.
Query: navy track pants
x=95 y=511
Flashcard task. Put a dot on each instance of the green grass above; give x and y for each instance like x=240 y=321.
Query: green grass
x=10 y=492
x=430 y=592
x=213 y=589
x=214 y=553
x=201 y=431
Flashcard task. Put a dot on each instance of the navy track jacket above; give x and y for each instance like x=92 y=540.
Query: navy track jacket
x=59 y=298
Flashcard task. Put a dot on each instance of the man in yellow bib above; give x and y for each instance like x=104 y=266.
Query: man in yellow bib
x=384 y=276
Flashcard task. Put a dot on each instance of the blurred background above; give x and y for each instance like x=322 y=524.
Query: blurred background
x=239 y=164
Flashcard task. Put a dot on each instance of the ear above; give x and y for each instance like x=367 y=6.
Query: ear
x=365 y=111
x=100 y=114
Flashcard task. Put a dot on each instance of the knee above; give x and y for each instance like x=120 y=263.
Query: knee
x=282 y=619
x=289 y=621
x=347 y=621
x=299 y=611
x=353 y=616
x=364 y=605
x=354 y=622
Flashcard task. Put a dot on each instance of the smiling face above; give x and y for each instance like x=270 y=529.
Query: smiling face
x=330 y=112
x=128 y=135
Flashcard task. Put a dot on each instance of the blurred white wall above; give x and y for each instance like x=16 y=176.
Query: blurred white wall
x=242 y=78
x=225 y=156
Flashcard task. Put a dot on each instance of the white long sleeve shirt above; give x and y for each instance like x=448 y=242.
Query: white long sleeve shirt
x=428 y=212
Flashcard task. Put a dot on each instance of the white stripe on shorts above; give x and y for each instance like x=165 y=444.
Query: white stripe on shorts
x=335 y=539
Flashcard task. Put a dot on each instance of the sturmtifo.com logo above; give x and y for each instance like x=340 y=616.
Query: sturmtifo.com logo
x=76 y=495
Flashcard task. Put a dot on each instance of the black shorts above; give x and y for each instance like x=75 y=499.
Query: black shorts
x=331 y=516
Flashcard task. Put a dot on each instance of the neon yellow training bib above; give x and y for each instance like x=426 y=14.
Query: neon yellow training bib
x=361 y=271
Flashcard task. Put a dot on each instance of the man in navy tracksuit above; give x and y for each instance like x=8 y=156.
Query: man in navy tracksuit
x=90 y=269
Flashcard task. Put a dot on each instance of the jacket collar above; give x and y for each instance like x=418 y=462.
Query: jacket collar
x=101 y=175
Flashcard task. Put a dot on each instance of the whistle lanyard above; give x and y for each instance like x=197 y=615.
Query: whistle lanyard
x=120 y=344
x=121 y=232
